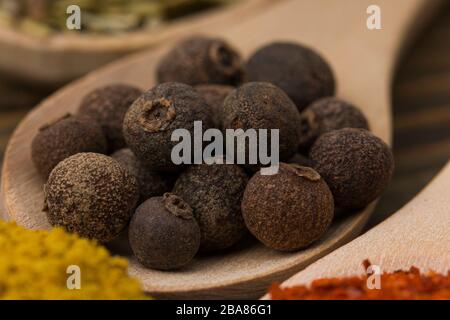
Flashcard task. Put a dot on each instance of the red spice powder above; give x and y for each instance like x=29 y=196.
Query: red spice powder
x=399 y=285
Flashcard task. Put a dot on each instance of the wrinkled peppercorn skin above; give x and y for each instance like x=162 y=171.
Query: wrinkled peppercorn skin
x=92 y=195
x=151 y=183
x=328 y=114
x=215 y=193
x=261 y=105
x=214 y=95
x=290 y=210
x=356 y=165
x=300 y=160
x=151 y=120
x=65 y=137
x=107 y=106
x=300 y=71
x=201 y=60
x=160 y=239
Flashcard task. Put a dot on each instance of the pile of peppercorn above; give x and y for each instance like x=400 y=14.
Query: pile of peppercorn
x=109 y=167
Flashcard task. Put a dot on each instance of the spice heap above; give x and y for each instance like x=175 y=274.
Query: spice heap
x=33 y=265
x=44 y=17
x=329 y=160
x=399 y=285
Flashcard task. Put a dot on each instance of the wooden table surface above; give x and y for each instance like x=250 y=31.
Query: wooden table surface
x=421 y=99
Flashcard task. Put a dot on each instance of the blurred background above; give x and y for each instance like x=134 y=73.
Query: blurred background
x=31 y=30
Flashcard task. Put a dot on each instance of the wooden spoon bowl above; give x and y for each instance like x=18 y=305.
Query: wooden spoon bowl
x=363 y=61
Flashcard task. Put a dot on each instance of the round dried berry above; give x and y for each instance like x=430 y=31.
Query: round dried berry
x=151 y=183
x=300 y=71
x=289 y=210
x=163 y=233
x=261 y=105
x=63 y=138
x=329 y=114
x=151 y=120
x=215 y=193
x=107 y=106
x=200 y=60
x=92 y=195
x=214 y=95
x=356 y=165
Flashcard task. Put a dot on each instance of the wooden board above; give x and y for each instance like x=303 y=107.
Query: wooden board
x=363 y=61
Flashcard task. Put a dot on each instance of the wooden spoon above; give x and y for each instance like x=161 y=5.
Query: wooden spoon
x=363 y=61
x=50 y=61
x=418 y=234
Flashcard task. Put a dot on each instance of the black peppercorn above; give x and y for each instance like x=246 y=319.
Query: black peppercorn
x=356 y=165
x=289 y=210
x=328 y=114
x=63 y=138
x=92 y=195
x=215 y=193
x=152 y=118
x=151 y=184
x=200 y=60
x=261 y=105
x=163 y=233
x=300 y=160
x=214 y=95
x=107 y=106
x=301 y=72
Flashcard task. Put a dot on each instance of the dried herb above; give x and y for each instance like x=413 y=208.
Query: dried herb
x=44 y=17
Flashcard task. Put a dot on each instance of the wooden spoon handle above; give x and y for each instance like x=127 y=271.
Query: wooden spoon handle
x=418 y=234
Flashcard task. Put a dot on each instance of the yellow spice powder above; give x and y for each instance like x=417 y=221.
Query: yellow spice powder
x=34 y=265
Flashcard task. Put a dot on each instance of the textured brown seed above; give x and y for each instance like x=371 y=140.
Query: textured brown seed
x=151 y=184
x=163 y=233
x=63 y=138
x=356 y=165
x=92 y=195
x=300 y=71
x=215 y=193
x=152 y=118
x=200 y=60
x=289 y=210
x=300 y=160
x=261 y=105
x=326 y=115
x=214 y=95
x=108 y=105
